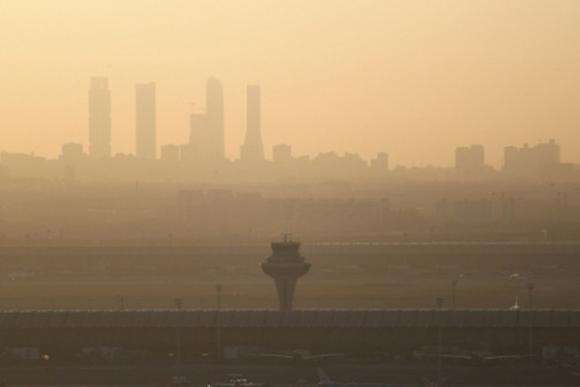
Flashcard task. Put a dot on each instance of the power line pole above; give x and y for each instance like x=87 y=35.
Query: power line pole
x=454 y=291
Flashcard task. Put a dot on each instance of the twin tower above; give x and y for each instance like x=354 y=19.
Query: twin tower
x=207 y=130
x=285 y=266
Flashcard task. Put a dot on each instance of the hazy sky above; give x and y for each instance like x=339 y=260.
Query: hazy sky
x=413 y=78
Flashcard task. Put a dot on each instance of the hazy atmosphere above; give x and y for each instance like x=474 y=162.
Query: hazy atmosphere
x=412 y=78
x=290 y=193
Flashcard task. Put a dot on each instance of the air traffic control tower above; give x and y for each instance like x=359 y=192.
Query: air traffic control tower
x=285 y=266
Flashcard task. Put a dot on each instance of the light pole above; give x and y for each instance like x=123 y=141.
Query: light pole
x=178 y=306
x=454 y=291
x=121 y=301
x=218 y=289
x=531 y=288
x=219 y=351
x=440 y=301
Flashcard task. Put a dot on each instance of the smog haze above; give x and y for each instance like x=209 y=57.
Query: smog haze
x=412 y=78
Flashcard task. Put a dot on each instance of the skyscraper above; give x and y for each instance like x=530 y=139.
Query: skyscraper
x=99 y=118
x=253 y=150
x=215 y=120
x=145 y=121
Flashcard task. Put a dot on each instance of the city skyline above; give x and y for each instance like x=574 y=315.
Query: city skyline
x=401 y=80
x=205 y=140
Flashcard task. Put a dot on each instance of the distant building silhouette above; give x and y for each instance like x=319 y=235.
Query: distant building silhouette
x=170 y=152
x=472 y=210
x=330 y=165
x=189 y=154
x=206 y=130
x=202 y=158
x=380 y=164
x=72 y=152
x=282 y=153
x=215 y=120
x=145 y=121
x=22 y=164
x=253 y=149
x=532 y=160
x=99 y=118
x=470 y=159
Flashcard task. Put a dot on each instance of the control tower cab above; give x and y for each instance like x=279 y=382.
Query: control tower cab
x=285 y=266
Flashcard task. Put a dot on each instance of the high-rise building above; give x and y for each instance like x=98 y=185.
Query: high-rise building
x=99 y=118
x=72 y=152
x=145 y=121
x=253 y=150
x=380 y=164
x=470 y=159
x=532 y=159
x=215 y=120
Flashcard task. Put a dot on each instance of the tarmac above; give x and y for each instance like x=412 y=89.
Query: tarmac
x=287 y=376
